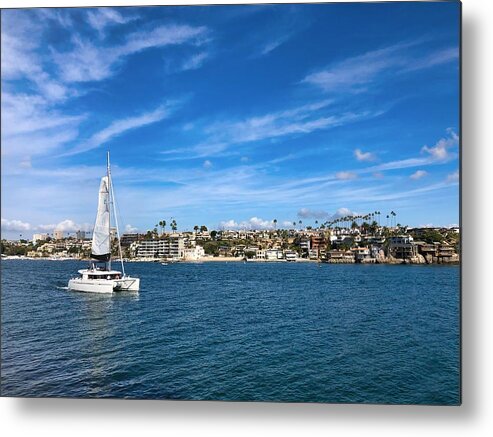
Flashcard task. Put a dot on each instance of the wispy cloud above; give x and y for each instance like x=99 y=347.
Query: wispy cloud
x=275 y=43
x=195 y=61
x=453 y=177
x=440 y=153
x=101 y=18
x=364 y=156
x=355 y=74
x=32 y=127
x=88 y=62
x=418 y=174
x=346 y=175
x=119 y=127
x=301 y=120
x=20 y=57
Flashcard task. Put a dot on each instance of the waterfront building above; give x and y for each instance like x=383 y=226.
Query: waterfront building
x=129 y=238
x=305 y=244
x=363 y=255
x=39 y=237
x=290 y=255
x=317 y=241
x=402 y=247
x=58 y=234
x=80 y=235
x=170 y=247
x=340 y=256
x=313 y=254
x=193 y=253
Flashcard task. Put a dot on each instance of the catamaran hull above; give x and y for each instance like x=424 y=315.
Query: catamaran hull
x=104 y=285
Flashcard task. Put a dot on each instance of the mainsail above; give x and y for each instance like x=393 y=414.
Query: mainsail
x=101 y=236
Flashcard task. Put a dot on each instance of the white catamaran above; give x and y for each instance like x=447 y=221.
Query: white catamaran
x=99 y=277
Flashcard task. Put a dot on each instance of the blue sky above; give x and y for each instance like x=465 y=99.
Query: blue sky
x=230 y=116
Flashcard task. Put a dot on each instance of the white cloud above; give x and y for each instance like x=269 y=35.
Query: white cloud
x=346 y=175
x=195 y=61
x=100 y=18
x=453 y=177
x=65 y=226
x=418 y=174
x=314 y=214
x=253 y=223
x=441 y=150
x=15 y=225
x=357 y=73
x=342 y=212
x=207 y=164
x=20 y=57
x=297 y=121
x=130 y=229
x=86 y=62
x=436 y=58
x=364 y=156
x=229 y=224
x=30 y=125
x=119 y=127
x=275 y=43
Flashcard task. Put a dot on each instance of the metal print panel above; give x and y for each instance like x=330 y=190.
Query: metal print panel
x=232 y=203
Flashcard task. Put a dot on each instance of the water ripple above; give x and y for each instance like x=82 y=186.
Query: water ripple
x=266 y=332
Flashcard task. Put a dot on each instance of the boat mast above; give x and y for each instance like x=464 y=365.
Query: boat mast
x=113 y=202
x=110 y=201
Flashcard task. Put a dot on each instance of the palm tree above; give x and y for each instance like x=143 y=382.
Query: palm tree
x=300 y=222
x=174 y=226
x=393 y=214
x=164 y=226
x=316 y=222
x=196 y=228
x=275 y=224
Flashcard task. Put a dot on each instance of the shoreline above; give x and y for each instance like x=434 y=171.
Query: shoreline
x=230 y=260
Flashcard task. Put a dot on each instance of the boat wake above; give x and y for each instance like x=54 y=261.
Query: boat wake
x=62 y=288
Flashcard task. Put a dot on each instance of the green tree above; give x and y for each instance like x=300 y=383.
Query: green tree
x=174 y=226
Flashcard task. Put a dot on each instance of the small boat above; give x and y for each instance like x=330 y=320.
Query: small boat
x=99 y=277
x=164 y=264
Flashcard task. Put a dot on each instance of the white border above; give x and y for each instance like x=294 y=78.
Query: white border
x=60 y=417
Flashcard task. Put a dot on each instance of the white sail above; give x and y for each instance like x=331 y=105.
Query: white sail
x=101 y=235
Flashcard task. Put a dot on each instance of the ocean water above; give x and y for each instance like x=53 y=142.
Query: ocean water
x=291 y=332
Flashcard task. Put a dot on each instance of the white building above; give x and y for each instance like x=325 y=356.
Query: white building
x=290 y=255
x=39 y=237
x=58 y=234
x=170 y=247
x=273 y=254
x=193 y=253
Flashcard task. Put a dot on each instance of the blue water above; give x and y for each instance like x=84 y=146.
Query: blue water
x=233 y=331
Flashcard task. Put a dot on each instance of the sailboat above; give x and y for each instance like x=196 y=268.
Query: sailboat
x=99 y=277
